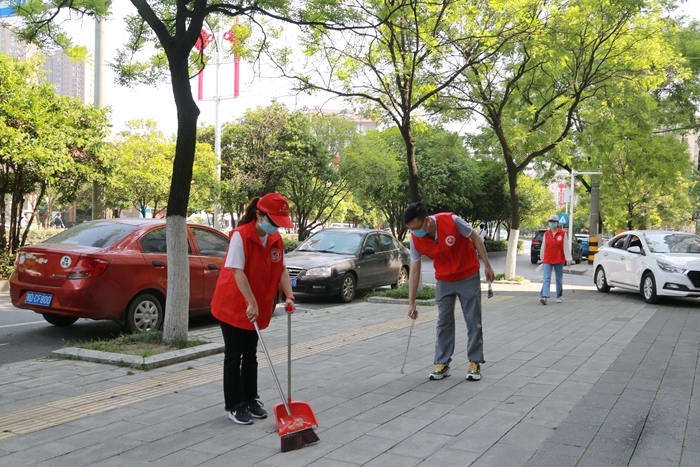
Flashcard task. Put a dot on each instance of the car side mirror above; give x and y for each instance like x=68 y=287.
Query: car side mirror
x=636 y=250
x=368 y=251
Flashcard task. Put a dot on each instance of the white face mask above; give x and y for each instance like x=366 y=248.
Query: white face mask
x=267 y=227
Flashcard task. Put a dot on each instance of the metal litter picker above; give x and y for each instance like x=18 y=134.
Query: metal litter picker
x=294 y=419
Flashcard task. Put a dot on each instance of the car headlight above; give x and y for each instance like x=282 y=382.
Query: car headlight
x=667 y=267
x=319 y=272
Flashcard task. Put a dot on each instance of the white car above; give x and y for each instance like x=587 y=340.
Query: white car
x=653 y=262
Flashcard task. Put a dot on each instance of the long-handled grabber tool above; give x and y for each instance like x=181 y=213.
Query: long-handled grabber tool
x=294 y=419
x=410 y=333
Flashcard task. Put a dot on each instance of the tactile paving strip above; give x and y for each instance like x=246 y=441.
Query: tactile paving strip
x=21 y=422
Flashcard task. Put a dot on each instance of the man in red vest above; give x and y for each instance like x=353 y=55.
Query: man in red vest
x=452 y=245
x=555 y=252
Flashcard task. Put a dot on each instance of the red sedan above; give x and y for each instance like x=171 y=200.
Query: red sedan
x=113 y=269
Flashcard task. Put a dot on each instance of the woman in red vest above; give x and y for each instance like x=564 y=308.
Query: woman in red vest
x=246 y=292
x=555 y=252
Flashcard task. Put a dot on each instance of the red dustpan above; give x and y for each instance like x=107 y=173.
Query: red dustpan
x=294 y=416
x=294 y=419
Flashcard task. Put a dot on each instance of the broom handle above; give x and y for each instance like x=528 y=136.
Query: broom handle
x=289 y=356
x=272 y=368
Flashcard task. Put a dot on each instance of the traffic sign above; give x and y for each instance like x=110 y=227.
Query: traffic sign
x=563 y=219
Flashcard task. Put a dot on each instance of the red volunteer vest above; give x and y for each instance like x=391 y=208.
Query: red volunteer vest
x=263 y=267
x=554 y=251
x=454 y=256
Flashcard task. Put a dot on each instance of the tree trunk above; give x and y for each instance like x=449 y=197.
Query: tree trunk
x=407 y=134
x=178 y=291
x=514 y=219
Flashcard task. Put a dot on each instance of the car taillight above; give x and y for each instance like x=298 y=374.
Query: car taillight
x=535 y=242
x=86 y=268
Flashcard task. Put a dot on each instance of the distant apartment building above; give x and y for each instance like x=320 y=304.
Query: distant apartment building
x=10 y=45
x=68 y=78
x=73 y=79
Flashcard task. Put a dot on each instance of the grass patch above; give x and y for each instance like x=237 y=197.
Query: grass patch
x=143 y=345
x=501 y=276
x=426 y=293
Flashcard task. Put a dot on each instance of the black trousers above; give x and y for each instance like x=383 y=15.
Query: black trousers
x=240 y=365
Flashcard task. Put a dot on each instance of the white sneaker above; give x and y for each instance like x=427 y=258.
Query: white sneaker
x=558 y=300
x=543 y=300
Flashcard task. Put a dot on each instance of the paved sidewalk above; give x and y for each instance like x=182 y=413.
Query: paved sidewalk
x=600 y=380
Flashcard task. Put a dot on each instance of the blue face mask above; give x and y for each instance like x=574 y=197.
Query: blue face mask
x=419 y=233
x=552 y=225
x=267 y=227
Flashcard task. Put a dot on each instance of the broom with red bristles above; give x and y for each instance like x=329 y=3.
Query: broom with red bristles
x=294 y=419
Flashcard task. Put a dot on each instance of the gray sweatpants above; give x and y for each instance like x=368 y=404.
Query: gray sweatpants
x=469 y=292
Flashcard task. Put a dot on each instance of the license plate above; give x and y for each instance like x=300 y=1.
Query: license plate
x=38 y=298
x=294 y=281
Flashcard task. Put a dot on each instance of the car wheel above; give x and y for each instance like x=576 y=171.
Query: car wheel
x=600 y=282
x=347 y=288
x=648 y=288
x=144 y=313
x=533 y=260
x=59 y=320
x=402 y=279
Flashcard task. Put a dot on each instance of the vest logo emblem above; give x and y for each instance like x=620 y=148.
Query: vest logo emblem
x=559 y=238
x=276 y=255
x=450 y=240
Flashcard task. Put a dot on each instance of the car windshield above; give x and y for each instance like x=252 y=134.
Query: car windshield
x=333 y=242
x=98 y=235
x=673 y=243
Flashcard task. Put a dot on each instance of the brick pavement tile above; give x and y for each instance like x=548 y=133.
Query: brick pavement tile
x=93 y=453
x=244 y=456
x=570 y=433
x=37 y=454
x=420 y=445
x=383 y=413
x=691 y=457
x=505 y=455
x=183 y=458
x=347 y=431
x=400 y=428
x=362 y=450
x=451 y=424
x=164 y=446
x=536 y=390
x=308 y=455
x=486 y=431
x=446 y=457
x=223 y=435
x=393 y=460
x=325 y=462
x=641 y=461
x=527 y=435
x=55 y=433
x=588 y=415
x=430 y=410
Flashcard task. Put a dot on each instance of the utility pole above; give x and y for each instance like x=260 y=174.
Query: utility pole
x=98 y=190
x=571 y=220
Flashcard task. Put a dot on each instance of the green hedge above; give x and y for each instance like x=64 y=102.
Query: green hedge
x=290 y=242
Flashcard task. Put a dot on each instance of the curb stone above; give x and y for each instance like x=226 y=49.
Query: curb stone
x=135 y=361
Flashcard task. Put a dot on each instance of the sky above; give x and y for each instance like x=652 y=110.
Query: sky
x=156 y=102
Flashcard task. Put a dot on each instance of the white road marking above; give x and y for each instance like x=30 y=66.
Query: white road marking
x=20 y=324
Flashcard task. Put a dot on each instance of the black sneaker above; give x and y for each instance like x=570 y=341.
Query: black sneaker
x=255 y=408
x=240 y=415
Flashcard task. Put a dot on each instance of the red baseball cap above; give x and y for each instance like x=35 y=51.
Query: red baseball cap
x=275 y=206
